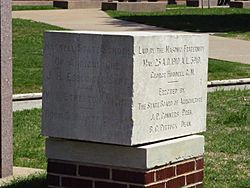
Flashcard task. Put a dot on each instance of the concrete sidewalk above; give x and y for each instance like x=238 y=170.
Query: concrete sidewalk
x=229 y=49
x=95 y=19
x=81 y=19
x=26 y=105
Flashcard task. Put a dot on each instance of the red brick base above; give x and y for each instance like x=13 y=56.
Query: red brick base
x=187 y=173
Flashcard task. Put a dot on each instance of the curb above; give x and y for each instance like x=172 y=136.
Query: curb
x=238 y=84
x=216 y=83
x=212 y=86
x=27 y=96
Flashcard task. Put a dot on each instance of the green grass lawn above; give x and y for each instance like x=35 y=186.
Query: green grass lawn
x=28 y=7
x=222 y=70
x=233 y=22
x=27 y=55
x=227 y=148
x=227 y=139
x=28 y=141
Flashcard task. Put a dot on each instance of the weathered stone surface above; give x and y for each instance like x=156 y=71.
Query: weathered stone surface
x=135 y=6
x=124 y=88
x=142 y=157
x=200 y=3
x=176 y=2
x=6 y=90
x=239 y=4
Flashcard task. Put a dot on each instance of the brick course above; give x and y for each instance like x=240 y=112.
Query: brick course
x=76 y=182
x=77 y=175
x=62 y=168
x=165 y=173
x=185 y=167
x=199 y=164
x=95 y=172
x=195 y=177
x=53 y=180
x=176 y=182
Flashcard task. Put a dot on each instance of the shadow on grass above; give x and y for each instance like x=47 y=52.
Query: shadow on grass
x=199 y=20
x=35 y=181
x=198 y=23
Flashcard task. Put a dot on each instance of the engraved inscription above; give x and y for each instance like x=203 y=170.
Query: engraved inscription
x=170 y=67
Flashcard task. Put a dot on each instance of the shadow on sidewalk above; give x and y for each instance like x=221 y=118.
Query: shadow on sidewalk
x=34 y=181
x=195 y=23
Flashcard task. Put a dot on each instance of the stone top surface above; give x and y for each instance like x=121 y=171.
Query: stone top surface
x=127 y=88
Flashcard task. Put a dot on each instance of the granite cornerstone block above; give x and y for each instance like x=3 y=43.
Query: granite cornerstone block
x=124 y=88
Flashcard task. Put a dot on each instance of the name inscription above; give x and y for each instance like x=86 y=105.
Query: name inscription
x=175 y=77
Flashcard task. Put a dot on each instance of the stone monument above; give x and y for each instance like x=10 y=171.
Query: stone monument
x=239 y=4
x=202 y=3
x=77 y=4
x=125 y=106
x=135 y=6
x=6 y=89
